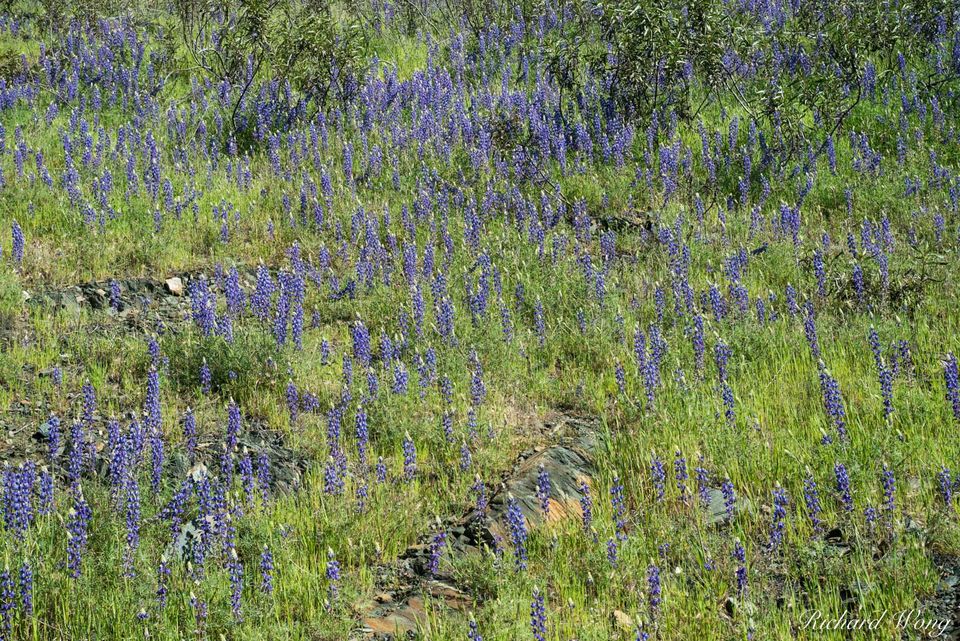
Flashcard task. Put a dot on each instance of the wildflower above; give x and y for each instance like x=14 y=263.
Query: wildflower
x=235 y=569
x=78 y=525
x=843 y=486
x=740 y=556
x=266 y=571
x=480 y=490
x=612 y=552
x=518 y=533
x=409 y=458
x=833 y=402
x=437 y=543
x=779 y=515
x=26 y=589
x=945 y=483
x=586 y=506
x=163 y=590
x=654 y=590
x=811 y=498
x=680 y=473
x=543 y=489
x=659 y=476
x=729 y=498
x=333 y=577
x=7 y=603
x=538 y=616
x=190 y=435
x=619 y=508
x=951 y=378
x=889 y=491
x=18 y=242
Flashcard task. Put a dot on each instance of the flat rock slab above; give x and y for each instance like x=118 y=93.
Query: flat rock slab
x=570 y=462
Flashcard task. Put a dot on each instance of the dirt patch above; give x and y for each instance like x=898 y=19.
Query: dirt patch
x=407 y=585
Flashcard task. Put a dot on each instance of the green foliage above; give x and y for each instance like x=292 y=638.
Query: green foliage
x=296 y=43
x=237 y=369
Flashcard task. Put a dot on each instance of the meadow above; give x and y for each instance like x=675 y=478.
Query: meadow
x=548 y=320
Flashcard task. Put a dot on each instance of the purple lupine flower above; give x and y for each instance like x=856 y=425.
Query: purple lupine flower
x=843 y=486
x=729 y=498
x=612 y=552
x=480 y=490
x=200 y=611
x=810 y=330
x=190 y=435
x=778 y=525
x=89 y=403
x=945 y=485
x=115 y=295
x=478 y=390
x=518 y=533
x=680 y=474
x=951 y=379
x=333 y=578
x=266 y=571
x=621 y=377
x=619 y=508
x=380 y=470
x=363 y=437
x=332 y=477
x=654 y=590
x=163 y=587
x=206 y=378
x=293 y=401
x=820 y=273
x=543 y=489
x=53 y=435
x=538 y=616
x=586 y=506
x=703 y=482
x=261 y=301
x=151 y=410
x=400 y=378
x=539 y=322
x=811 y=498
x=361 y=343
x=889 y=496
x=45 y=504
x=234 y=423
x=361 y=494
x=17 y=251
x=246 y=477
x=437 y=543
x=884 y=374
x=235 y=569
x=659 y=476
x=8 y=603
x=26 y=589
x=466 y=458
x=409 y=458
x=833 y=402
x=740 y=556
x=473 y=634
x=78 y=525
